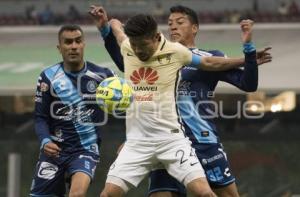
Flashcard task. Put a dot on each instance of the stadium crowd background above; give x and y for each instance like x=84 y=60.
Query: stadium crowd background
x=264 y=152
x=37 y=12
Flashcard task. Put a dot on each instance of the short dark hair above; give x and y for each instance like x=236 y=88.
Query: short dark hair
x=141 y=25
x=186 y=10
x=69 y=27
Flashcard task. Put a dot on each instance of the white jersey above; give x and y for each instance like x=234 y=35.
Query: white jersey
x=153 y=114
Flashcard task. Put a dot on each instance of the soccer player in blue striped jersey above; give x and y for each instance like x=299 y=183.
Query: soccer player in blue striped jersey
x=67 y=119
x=194 y=96
x=197 y=85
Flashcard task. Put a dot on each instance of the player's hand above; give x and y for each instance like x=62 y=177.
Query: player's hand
x=51 y=149
x=263 y=56
x=99 y=15
x=246 y=27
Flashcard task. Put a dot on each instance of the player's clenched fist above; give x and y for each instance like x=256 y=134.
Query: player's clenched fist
x=246 y=27
x=51 y=149
x=99 y=15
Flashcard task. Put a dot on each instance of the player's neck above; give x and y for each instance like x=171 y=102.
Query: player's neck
x=69 y=67
x=190 y=45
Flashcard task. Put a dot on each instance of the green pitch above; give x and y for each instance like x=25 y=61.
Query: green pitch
x=21 y=65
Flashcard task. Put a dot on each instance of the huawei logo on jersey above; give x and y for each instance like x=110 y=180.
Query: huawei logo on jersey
x=144 y=73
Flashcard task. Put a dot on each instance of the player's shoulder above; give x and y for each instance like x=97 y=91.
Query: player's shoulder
x=176 y=46
x=98 y=69
x=217 y=53
x=92 y=66
x=166 y=45
x=51 y=70
x=125 y=45
x=207 y=53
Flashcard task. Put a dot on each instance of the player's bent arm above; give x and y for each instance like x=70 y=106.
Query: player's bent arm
x=114 y=26
x=118 y=31
x=218 y=63
x=247 y=79
x=207 y=63
x=42 y=110
x=113 y=49
x=42 y=131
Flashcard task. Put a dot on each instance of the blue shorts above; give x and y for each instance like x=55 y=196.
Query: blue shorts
x=214 y=162
x=51 y=173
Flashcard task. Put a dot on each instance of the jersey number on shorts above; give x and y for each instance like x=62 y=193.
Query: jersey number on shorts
x=180 y=153
x=215 y=174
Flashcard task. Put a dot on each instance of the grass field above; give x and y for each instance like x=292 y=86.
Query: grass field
x=24 y=55
x=21 y=65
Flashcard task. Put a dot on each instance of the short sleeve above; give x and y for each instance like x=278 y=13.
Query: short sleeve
x=184 y=54
x=125 y=45
x=109 y=72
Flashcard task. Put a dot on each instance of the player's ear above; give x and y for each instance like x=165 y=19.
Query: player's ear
x=157 y=36
x=195 y=29
x=58 y=48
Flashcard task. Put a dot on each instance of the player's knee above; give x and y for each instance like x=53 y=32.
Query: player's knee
x=164 y=194
x=200 y=188
x=77 y=193
x=104 y=194
x=111 y=192
x=205 y=193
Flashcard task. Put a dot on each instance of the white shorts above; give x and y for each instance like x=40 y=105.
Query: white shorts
x=138 y=158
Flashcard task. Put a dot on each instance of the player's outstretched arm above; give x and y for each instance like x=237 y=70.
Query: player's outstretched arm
x=118 y=30
x=111 y=44
x=219 y=63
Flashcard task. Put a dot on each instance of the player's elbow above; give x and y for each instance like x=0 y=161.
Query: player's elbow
x=251 y=88
x=217 y=64
x=209 y=65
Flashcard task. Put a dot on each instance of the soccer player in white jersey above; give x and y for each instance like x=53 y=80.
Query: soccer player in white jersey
x=154 y=130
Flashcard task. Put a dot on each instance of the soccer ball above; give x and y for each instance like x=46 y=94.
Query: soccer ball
x=114 y=95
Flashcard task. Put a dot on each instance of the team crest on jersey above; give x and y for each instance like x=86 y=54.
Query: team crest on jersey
x=62 y=85
x=91 y=86
x=44 y=87
x=164 y=59
x=147 y=74
x=58 y=133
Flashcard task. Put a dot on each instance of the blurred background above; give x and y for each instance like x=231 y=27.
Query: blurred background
x=260 y=131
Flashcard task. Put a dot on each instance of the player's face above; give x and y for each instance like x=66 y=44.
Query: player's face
x=143 y=47
x=71 y=46
x=181 y=29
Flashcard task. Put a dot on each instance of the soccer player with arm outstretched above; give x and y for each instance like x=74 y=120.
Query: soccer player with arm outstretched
x=183 y=25
x=143 y=47
x=143 y=57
